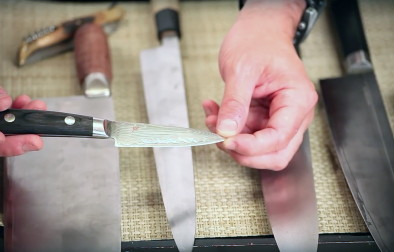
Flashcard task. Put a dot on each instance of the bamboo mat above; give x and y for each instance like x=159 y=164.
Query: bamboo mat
x=229 y=198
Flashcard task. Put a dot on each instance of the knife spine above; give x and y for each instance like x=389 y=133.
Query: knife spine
x=350 y=33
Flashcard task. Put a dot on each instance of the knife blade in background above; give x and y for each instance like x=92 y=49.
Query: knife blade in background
x=58 y=39
x=162 y=75
x=290 y=201
x=66 y=197
x=359 y=126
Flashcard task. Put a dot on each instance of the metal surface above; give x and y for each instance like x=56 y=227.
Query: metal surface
x=150 y=135
x=357 y=62
x=96 y=85
x=165 y=98
x=364 y=145
x=290 y=200
x=9 y=117
x=69 y=120
x=48 y=52
x=66 y=197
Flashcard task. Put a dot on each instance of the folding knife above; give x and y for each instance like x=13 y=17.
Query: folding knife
x=57 y=39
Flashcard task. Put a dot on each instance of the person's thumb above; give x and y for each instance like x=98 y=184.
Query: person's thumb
x=235 y=104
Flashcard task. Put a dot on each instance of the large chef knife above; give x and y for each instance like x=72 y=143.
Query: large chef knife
x=359 y=127
x=289 y=195
x=290 y=201
x=66 y=197
x=165 y=97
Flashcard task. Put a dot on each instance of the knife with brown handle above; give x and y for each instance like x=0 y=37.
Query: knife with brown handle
x=93 y=60
x=57 y=39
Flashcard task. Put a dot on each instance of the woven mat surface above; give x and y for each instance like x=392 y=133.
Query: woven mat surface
x=229 y=198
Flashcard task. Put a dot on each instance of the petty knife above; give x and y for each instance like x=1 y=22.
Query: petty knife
x=125 y=134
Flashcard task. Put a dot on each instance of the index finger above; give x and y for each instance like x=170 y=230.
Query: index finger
x=5 y=99
x=289 y=111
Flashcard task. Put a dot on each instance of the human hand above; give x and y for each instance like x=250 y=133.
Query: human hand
x=17 y=145
x=268 y=101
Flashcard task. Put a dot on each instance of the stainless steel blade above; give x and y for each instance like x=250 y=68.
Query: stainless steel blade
x=364 y=146
x=150 y=135
x=290 y=200
x=49 y=52
x=65 y=197
x=165 y=97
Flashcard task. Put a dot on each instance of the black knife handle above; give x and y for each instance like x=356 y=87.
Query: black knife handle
x=348 y=25
x=20 y=121
x=166 y=17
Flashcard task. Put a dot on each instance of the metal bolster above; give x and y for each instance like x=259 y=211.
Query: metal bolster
x=100 y=128
x=357 y=62
x=96 y=85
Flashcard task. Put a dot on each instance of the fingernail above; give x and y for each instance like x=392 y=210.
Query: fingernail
x=228 y=127
x=229 y=145
x=207 y=112
x=29 y=147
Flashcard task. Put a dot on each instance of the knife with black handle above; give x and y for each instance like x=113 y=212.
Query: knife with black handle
x=350 y=33
x=360 y=128
x=125 y=134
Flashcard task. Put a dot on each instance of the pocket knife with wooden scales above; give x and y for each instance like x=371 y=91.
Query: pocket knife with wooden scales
x=57 y=39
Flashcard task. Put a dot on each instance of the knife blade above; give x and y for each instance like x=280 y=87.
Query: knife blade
x=57 y=39
x=359 y=126
x=290 y=200
x=125 y=134
x=166 y=104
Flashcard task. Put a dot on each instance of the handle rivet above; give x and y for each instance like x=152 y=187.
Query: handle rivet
x=9 y=117
x=302 y=26
x=69 y=120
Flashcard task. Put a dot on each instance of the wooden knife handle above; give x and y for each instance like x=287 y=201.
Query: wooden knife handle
x=91 y=52
x=167 y=17
x=20 y=121
x=64 y=31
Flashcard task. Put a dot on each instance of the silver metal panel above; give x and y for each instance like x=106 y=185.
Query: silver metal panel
x=162 y=75
x=290 y=200
x=66 y=197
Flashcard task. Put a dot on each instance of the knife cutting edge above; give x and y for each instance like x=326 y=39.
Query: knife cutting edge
x=57 y=39
x=59 y=124
x=165 y=97
x=359 y=126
